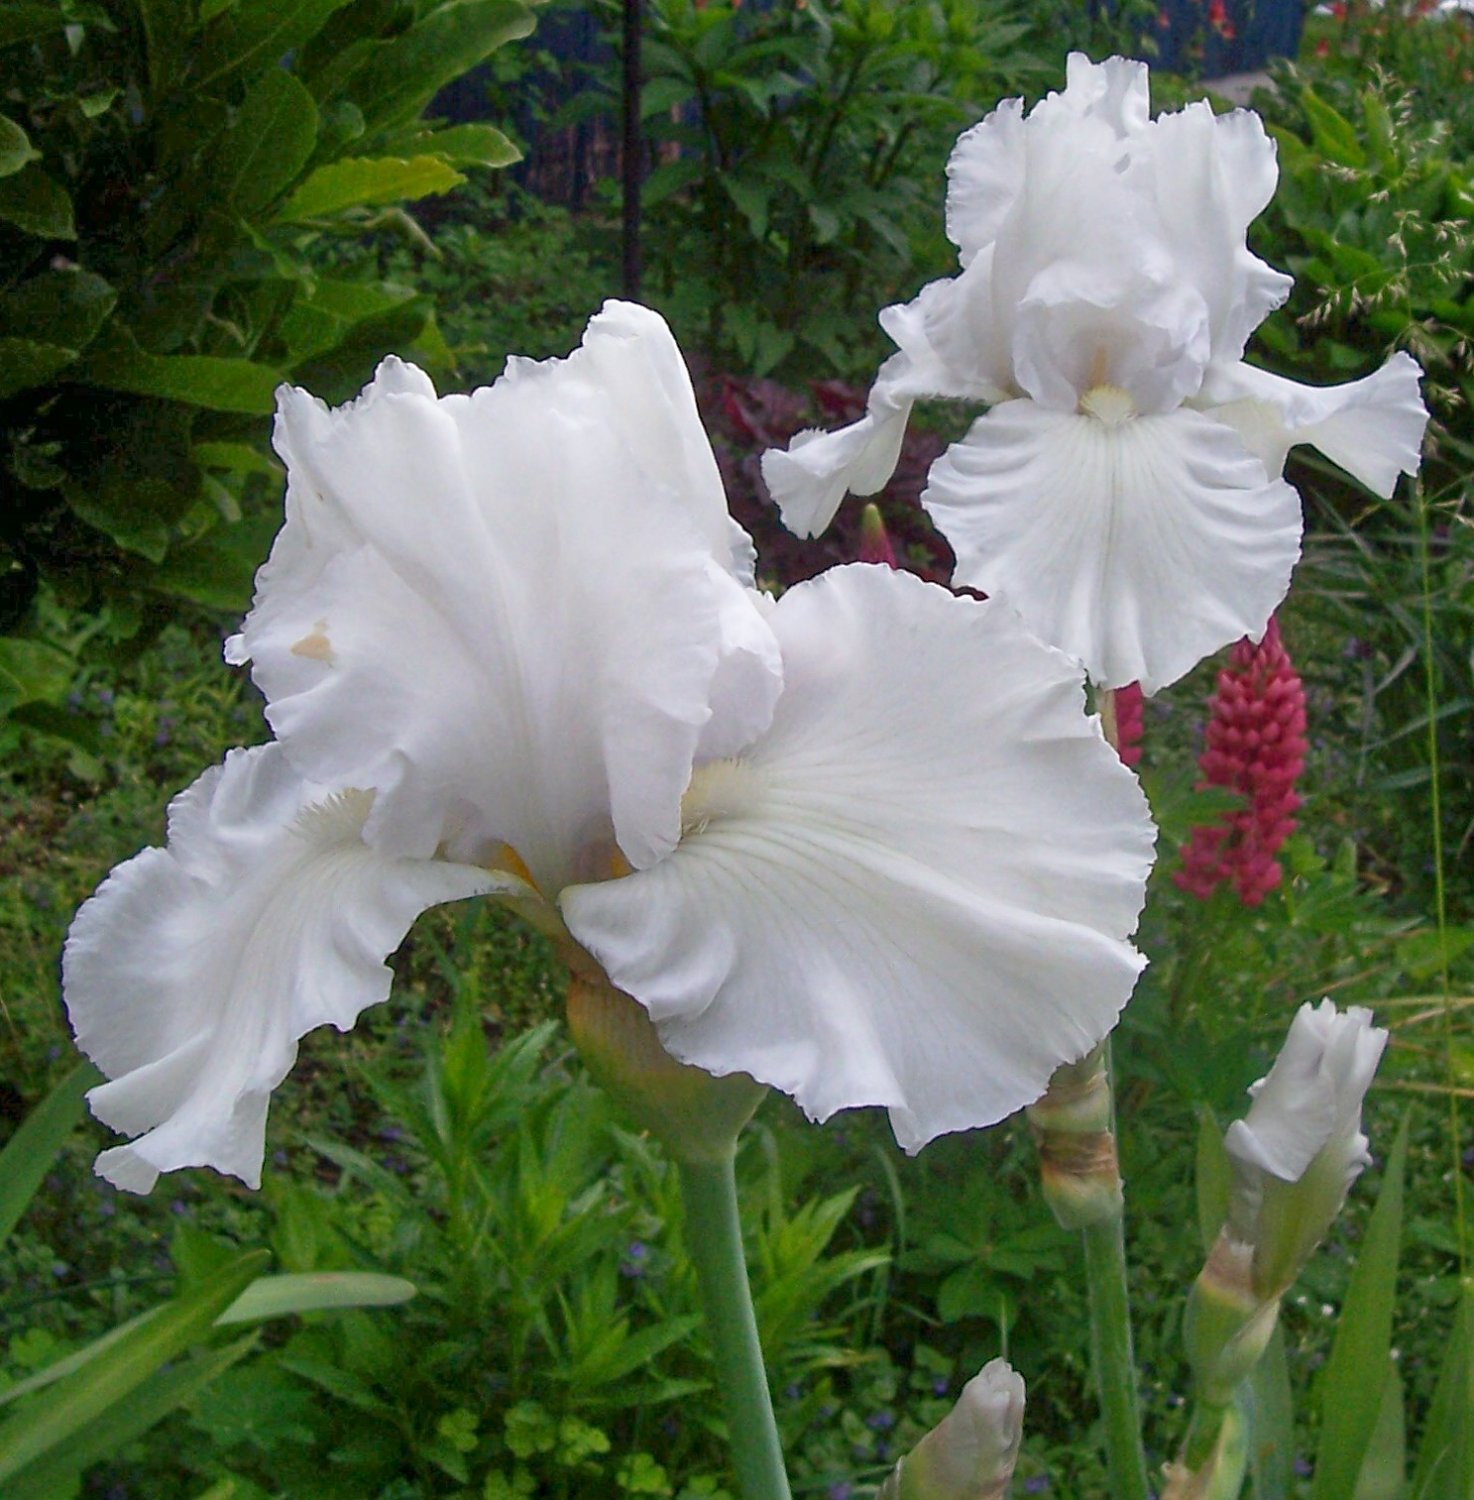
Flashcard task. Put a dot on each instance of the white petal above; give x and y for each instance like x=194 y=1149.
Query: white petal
x=952 y=341
x=1372 y=427
x=193 y=971
x=1209 y=176
x=1116 y=92
x=810 y=479
x=985 y=174
x=1106 y=320
x=1138 y=548
x=513 y=615
x=1311 y=1098
x=914 y=890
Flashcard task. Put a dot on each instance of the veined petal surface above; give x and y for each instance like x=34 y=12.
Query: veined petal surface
x=192 y=973
x=1372 y=427
x=914 y=890
x=1138 y=546
x=514 y=615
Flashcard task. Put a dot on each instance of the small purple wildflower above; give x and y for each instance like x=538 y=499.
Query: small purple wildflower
x=1036 y=1484
x=881 y=1421
x=636 y=1260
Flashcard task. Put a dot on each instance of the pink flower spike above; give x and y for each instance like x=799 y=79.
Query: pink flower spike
x=1129 y=702
x=1254 y=745
x=875 y=544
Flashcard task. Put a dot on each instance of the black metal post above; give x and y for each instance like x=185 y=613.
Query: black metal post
x=633 y=152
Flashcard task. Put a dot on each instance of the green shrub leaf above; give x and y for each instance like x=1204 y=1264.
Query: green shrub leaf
x=399 y=77
x=25 y=363
x=359 y=181
x=268 y=143
x=469 y=146
x=255 y=33
x=31 y=201
x=15 y=147
x=205 y=380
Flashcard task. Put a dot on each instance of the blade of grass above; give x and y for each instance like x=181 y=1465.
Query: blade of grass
x=1445 y=1468
x=1349 y=1401
x=29 y=1153
x=70 y=1406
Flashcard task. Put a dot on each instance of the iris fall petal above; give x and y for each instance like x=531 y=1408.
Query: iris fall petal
x=195 y=969
x=914 y=890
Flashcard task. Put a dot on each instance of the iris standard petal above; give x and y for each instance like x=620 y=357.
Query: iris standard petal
x=1209 y=176
x=192 y=973
x=985 y=174
x=1139 y=546
x=914 y=890
x=1372 y=427
x=514 y=614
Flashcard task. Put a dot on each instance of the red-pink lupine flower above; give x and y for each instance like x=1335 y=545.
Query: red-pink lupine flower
x=1255 y=745
x=1129 y=701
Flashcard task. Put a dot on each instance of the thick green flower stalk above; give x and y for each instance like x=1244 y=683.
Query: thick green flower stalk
x=1078 y=1170
x=1294 y=1157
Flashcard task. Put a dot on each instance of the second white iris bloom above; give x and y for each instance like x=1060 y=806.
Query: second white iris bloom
x=1124 y=489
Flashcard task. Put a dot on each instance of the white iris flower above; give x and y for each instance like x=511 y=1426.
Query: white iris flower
x=862 y=843
x=1124 y=490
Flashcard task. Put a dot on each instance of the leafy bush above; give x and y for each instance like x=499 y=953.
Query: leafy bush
x=799 y=148
x=163 y=168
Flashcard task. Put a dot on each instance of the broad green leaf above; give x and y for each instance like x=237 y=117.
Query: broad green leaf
x=197 y=379
x=1332 y=133
x=359 y=181
x=141 y=481
x=256 y=34
x=30 y=200
x=24 y=363
x=15 y=147
x=66 y=308
x=216 y=569
x=1385 y=1465
x=1271 y=1411
x=20 y=22
x=1349 y=1399
x=30 y=1151
x=239 y=458
x=1445 y=1469
x=54 y=1475
x=167 y=25
x=315 y=1291
x=469 y=146
x=1214 y=1178
x=267 y=144
x=69 y=1411
x=32 y=671
x=400 y=76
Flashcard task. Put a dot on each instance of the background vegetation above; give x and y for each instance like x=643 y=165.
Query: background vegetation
x=163 y=268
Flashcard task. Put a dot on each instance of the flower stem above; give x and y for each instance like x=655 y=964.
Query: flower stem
x=714 y=1242
x=1111 y=1356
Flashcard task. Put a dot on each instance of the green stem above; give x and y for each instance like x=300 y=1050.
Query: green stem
x=714 y=1242
x=1112 y=1359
